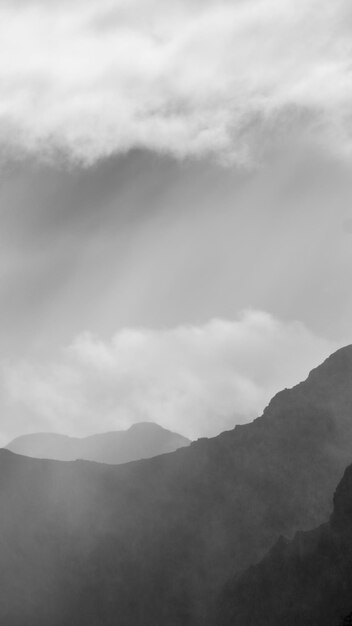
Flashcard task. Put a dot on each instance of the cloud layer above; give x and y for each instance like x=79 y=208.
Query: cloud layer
x=196 y=380
x=234 y=78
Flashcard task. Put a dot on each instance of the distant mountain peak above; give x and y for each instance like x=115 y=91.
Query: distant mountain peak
x=141 y=440
x=146 y=426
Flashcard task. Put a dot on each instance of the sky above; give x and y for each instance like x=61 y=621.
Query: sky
x=175 y=208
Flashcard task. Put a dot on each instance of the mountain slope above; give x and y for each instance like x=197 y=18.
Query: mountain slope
x=307 y=581
x=140 y=441
x=155 y=541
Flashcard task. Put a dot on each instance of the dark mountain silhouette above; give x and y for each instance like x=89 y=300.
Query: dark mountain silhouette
x=140 y=441
x=307 y=581
x=155 y=541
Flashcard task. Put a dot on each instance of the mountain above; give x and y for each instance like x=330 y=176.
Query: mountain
x=157 y=541
x=140 y=441
x=307 y=581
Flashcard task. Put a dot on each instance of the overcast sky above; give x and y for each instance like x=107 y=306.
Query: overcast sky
x=175 y=206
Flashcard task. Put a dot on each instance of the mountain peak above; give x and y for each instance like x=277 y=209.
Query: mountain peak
x=140 y=441
x=145 y=426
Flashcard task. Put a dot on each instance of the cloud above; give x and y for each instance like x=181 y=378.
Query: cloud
x=195 y=380
x=231 y=78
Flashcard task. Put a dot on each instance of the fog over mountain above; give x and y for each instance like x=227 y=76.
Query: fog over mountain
x=157 y=541
x=140 y=441
x=175 y=257
x=175 y=208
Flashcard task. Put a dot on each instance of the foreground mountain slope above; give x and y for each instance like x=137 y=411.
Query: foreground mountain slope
x=307 y=581
x=140 y=441
x=155 y=541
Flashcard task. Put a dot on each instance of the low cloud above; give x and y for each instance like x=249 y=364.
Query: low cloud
x=235 y=79
x=195 y=380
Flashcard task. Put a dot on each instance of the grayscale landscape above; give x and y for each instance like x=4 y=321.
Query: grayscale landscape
x=175 y=313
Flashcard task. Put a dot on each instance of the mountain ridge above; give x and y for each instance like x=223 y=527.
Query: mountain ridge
x=305 y=581
x=156 y=541
x=141 y=440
